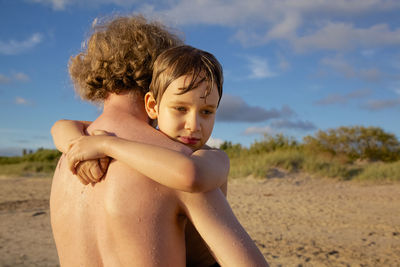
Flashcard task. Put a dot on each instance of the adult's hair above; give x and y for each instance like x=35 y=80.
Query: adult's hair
x=186 y=60
x=119 y=56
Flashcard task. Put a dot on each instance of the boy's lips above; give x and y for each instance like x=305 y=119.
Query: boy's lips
x=189 y=140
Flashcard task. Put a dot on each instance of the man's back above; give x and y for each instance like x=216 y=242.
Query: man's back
x=125 y=220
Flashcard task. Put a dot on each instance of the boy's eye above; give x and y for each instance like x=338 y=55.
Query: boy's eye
x=181 y=109
x=207 y=112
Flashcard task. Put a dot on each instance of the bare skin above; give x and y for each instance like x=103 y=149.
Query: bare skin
x=206 y=169
x=130 y=220
x=108 y=224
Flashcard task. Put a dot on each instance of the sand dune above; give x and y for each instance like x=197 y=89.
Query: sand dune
x=294 y=219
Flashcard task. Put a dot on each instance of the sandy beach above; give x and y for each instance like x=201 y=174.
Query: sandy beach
x=295 y=219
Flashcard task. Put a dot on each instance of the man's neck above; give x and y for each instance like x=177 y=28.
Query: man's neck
x=128 y=104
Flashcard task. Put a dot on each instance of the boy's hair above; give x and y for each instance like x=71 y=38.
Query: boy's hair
x=119 y=56
x=186 y=60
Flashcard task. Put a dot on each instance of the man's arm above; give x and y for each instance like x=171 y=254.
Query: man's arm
x=213 y=218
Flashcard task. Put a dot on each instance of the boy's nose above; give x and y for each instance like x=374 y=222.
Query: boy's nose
x=193 y=123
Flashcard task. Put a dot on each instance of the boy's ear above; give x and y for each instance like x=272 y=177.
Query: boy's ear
x=150 y=105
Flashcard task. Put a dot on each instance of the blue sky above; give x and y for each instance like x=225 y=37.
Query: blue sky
x=291 y=66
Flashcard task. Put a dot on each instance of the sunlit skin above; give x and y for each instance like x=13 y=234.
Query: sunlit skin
x=187 y=118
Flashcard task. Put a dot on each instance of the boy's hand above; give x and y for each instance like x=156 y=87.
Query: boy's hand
x=91 y=170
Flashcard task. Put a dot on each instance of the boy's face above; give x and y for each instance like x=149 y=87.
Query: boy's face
x=187 y=118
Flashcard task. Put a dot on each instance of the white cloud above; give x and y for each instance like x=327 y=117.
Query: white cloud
x=286 y=28
x=258 y=130
x=21 y=101
x=279 y=124
x=60 y=5
x=376 y=105
x=13 y=47
x=372 y=74
x=343 y=37
x=298 y=125
x=22 y=77
x=368 y=52
x=18 y=76
x=332 y=99
x=343 y=98
x=259 y=68
x=341 y=65
x=306 y=24
x=56 y=4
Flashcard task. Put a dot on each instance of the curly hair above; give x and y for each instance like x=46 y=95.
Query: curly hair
x=119 y=56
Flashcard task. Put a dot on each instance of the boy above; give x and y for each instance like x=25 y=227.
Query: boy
x=194 y=134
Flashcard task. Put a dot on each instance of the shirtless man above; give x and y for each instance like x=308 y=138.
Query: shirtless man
x=128 y=219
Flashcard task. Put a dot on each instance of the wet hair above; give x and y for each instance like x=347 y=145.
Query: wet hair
x=119 y=56
x=186 y=60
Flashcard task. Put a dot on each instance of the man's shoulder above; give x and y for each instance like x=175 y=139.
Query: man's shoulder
x=142 y=132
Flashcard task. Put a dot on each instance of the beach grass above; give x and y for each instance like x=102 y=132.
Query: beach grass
x=379 y=171
x=40 y=163
x=366 y=157
x=297 y=160
x=378 y=164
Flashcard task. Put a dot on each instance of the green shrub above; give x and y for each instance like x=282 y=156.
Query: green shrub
x=232 y=150
x=380 y=171
x=28 y=169
x=247 y=162
x=42 y=155
x=329 y=168
x=272 y=143
x=10 y=160
x=42 y=162
x=258 y=164
x=357 y=142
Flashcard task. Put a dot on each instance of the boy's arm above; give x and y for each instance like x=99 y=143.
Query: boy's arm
x=212 y=168
x=202 y=171
x=213 y=218
x=64 y=131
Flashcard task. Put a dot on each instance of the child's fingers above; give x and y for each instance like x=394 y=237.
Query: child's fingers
x=81 y=177
x=84 y=170
x=81 y=171
x=104 y=163
x=83 y=181
x=94 y=170
x=74 y=157
x=72 y=162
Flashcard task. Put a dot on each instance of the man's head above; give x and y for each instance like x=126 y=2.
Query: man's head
x=119 y=57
